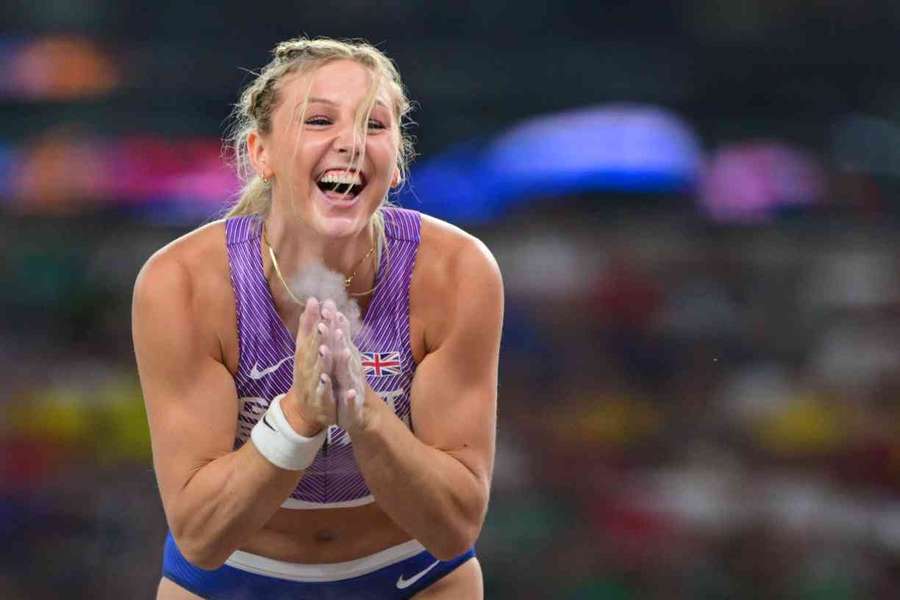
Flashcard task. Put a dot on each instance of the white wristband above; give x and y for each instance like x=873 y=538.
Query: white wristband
x=275 y=439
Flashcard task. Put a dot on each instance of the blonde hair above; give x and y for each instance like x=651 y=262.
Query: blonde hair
x=254 y=110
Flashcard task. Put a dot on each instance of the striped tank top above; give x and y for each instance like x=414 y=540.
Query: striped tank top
x=266 y=364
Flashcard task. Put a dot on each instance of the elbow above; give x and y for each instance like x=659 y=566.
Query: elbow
x=459 y=536
x=452 y=545
x=201 y=555
x=205 y=559
x=200 y=535
x=199 y=550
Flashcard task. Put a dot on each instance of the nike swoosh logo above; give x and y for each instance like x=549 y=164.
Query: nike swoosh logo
x=255 y=373
x=402 y=583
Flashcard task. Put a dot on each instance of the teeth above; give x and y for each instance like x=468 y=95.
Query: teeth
x=345 y=177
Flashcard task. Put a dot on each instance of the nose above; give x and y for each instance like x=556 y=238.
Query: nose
x=347 y=141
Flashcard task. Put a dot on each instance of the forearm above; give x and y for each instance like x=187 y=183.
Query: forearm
x=428 y=492
x=225 y=502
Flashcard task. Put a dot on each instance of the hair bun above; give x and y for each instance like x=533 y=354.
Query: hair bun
x=290 y=50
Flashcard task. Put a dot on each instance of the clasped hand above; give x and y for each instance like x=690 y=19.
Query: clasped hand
x=329 y=385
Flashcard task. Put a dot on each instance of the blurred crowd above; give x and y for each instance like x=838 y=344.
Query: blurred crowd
x=695 y=209
x=686 y=410
x=699 y=412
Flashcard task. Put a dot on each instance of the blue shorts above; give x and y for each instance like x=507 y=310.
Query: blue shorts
x=398 y=572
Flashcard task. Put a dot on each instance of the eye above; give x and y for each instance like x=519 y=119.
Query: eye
x=376 y=124
x=318 y=121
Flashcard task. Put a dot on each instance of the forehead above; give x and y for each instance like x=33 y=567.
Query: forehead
x=340 y=82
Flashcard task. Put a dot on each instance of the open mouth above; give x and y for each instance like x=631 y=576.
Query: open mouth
x=343 y=182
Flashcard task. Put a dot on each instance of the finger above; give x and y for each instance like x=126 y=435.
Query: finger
x=341 y=360
x=342 y=323
x=332 y=321
x=309 y=317
x=327 y=336
x=315 y=399
x=331 y=340
x=327 y=408
x=351 y=407
x=343 y=410
x=326 y=317
x=329 y=308
x=339 y=342
x=320 y=401
x=308 y=350
x=326 y=359
x=324 y=385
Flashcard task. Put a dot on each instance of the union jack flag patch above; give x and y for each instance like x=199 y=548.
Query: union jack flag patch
x=380 y=364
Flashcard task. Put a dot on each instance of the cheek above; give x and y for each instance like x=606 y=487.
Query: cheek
x=385 y=151
x=302 y=155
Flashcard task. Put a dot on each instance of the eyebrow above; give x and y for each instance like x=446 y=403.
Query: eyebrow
x=319 y=100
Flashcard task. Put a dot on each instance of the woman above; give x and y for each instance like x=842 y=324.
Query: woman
x=294 y=458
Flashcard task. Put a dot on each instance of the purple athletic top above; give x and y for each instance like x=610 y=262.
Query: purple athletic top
x=266 y=364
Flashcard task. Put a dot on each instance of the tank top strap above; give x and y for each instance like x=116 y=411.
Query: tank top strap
x=261 y=336
x=402 y=224
x=390 y=311
x=402 y=229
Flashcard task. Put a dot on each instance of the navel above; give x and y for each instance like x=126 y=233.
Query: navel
x=324 y=535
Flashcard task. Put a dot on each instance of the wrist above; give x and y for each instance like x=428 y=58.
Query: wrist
x=290 y=406
x=276 y=440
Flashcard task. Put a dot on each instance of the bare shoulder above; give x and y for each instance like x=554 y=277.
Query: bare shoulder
x=189 y=274
x=452 y=266
x=186 y=263
x=450 y=253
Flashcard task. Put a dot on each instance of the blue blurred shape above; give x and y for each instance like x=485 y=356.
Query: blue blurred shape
x=609 y=148
x=8 y=158
x=451 y=187
x=612 y=148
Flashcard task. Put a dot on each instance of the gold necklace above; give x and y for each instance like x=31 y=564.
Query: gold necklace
x=347 y=281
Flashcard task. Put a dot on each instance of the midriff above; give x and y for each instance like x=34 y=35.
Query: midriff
x=328 y=535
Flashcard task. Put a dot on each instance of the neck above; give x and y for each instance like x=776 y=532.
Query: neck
x=297 y=246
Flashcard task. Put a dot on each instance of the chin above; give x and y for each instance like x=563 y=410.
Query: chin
x=337 y=217
x=339 y=227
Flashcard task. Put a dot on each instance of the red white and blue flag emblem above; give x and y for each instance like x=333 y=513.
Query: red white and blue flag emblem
x=381 y=363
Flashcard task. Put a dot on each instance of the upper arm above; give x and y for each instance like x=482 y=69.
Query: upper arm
x=189 y=394
x=454 y=391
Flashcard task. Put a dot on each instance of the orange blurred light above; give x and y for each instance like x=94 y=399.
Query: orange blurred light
x=63 y=68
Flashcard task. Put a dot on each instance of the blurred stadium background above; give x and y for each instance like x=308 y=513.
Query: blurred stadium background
x=695 y=206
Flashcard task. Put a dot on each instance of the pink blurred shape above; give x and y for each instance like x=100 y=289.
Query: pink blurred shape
x=751 y=181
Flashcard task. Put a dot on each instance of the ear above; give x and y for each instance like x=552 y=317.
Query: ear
x=259 y=155
x=396 y=178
